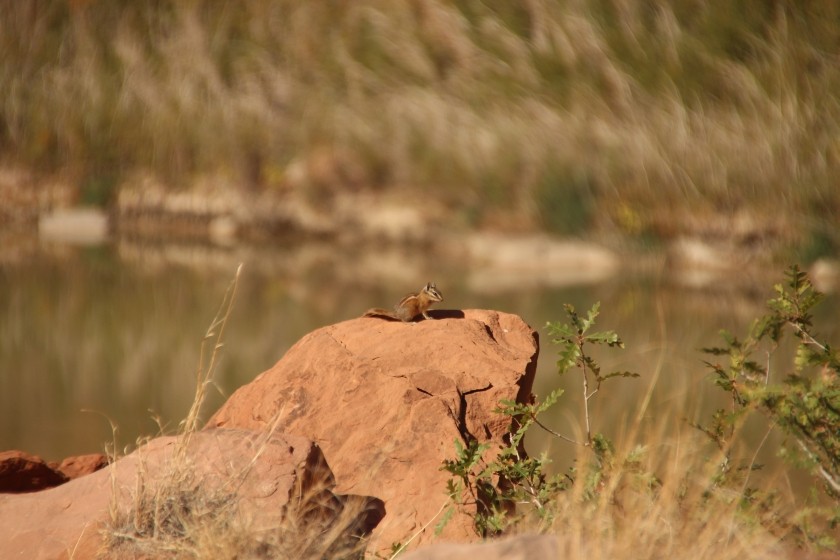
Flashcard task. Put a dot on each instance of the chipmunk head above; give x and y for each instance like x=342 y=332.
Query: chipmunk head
x=431 y=290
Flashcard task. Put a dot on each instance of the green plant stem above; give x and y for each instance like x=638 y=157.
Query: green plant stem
x=556 y=434
x=586 y=397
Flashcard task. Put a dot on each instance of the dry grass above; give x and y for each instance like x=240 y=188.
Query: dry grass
x=178 y=514
x=612 y=112
x=666 y=491
x=180 y=510
x=678 y=513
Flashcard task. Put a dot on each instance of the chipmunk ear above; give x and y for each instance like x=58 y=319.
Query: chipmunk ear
x=430 y=286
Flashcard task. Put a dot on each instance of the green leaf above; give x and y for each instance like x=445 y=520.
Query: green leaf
x=804 y=357
x=591 y=315
x=548 y=401
x=609 y=338
x=569 y=356
x=621 y=374
x=459 y=449
x=453 y=489
x=729 y=338
x=444 y=520
x=574 y=318
x=561 y=330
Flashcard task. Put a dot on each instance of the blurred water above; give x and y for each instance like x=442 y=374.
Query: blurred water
x=94 y=336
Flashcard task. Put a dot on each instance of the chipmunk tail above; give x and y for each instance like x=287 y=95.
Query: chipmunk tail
x=379 y=312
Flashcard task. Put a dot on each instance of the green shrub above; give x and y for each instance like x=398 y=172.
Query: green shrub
x=706 y=503
x=802 y=399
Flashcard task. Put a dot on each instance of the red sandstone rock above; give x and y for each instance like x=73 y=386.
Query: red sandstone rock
x=21 y=472
x=66 y=522
x=81 y=465
x=386 y=400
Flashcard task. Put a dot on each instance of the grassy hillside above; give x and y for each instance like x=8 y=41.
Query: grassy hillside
x=625 y=115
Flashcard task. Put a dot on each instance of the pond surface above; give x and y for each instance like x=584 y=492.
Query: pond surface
x=94 y=336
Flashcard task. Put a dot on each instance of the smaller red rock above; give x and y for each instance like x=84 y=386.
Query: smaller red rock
x=80 y=465
x=21 y=472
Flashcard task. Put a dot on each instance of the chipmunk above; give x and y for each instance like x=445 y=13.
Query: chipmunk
x=410 y=306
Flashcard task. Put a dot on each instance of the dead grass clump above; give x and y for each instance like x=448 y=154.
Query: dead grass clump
x=183 y=507
x=181 y=515
x=631 y=513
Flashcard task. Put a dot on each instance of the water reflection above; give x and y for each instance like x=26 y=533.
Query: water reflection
x=113 y=333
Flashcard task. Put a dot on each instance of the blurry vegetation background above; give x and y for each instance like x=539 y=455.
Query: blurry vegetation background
x=640 y=117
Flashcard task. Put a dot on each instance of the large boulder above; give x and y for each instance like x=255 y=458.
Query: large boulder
x=258 y=477
x=386 y=400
